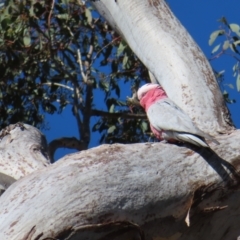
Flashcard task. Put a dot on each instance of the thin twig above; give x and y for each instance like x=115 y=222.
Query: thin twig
x=115 y=39
x=75 y=110
x=49 y=22
x=60 y=68
x=81 y=66
x=58 y=84
x=64 y=142
x=216 y=56
x=95 y=112
x=70 y=31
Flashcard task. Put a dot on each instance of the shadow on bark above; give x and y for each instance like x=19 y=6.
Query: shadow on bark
x=227 y=171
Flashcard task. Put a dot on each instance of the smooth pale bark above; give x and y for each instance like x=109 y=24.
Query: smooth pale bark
x=123 y=190
x=171 y=55
x=23 y=150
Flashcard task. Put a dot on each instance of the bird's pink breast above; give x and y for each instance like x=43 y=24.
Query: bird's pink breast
x=152 y=96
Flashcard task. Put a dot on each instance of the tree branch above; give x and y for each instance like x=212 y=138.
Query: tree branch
x=123 y=188
x=88 y=100
x=64 y=142
x=59 y=85
x=49 y=24
x=75 y=108
x=95 y=112
x=84 y=77
x=115 y=39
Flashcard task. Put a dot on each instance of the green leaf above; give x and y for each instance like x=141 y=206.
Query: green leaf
x=31 y=11
x=114 y=66
x=110 y=102
x=117 y=91
x=226 y=45
x=104 y=85
x=63 y=16
x=236 y=42
x=238 y=82
x=220 y=74
x=144 y=126
x=214 y=35
x=35 y=91
x=215 y=49
x=125 y=61
x=111 y=129
x=111 y=110
x=233 y=48
x=26 y=38
x=121 y=103
x=96 y=127
x=121 y=48
x=5 y=23
x=235 y=28
x=88 y=15
x=235 y=67
x=18 y=28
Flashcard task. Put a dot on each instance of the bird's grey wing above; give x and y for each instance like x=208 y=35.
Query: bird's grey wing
x=166 y=115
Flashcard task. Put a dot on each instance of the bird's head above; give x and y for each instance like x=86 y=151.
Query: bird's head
x=147 y=87
x=149 y=93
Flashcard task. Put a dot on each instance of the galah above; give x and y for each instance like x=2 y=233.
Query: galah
x=167 y=120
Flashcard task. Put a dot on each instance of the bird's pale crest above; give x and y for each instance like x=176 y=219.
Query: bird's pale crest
x=145 y=88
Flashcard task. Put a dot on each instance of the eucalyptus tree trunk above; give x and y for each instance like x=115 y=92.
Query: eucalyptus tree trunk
x=165 y=47
x=138 y=191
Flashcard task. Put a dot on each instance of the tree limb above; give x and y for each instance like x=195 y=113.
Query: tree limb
x=95 y=112
x=64 y=142
x=95 y=193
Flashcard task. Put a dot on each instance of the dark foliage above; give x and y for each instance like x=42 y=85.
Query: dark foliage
x=40 y=72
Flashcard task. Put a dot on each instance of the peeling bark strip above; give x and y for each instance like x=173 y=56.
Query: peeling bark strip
x=121 y=192
x=29 y=235
x=171 y=55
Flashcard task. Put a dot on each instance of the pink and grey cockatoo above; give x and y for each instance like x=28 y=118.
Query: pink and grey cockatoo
x=167 y=120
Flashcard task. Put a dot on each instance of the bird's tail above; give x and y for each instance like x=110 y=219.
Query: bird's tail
x=196 y=140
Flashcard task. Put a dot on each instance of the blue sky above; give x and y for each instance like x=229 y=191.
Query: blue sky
x=200 y=19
